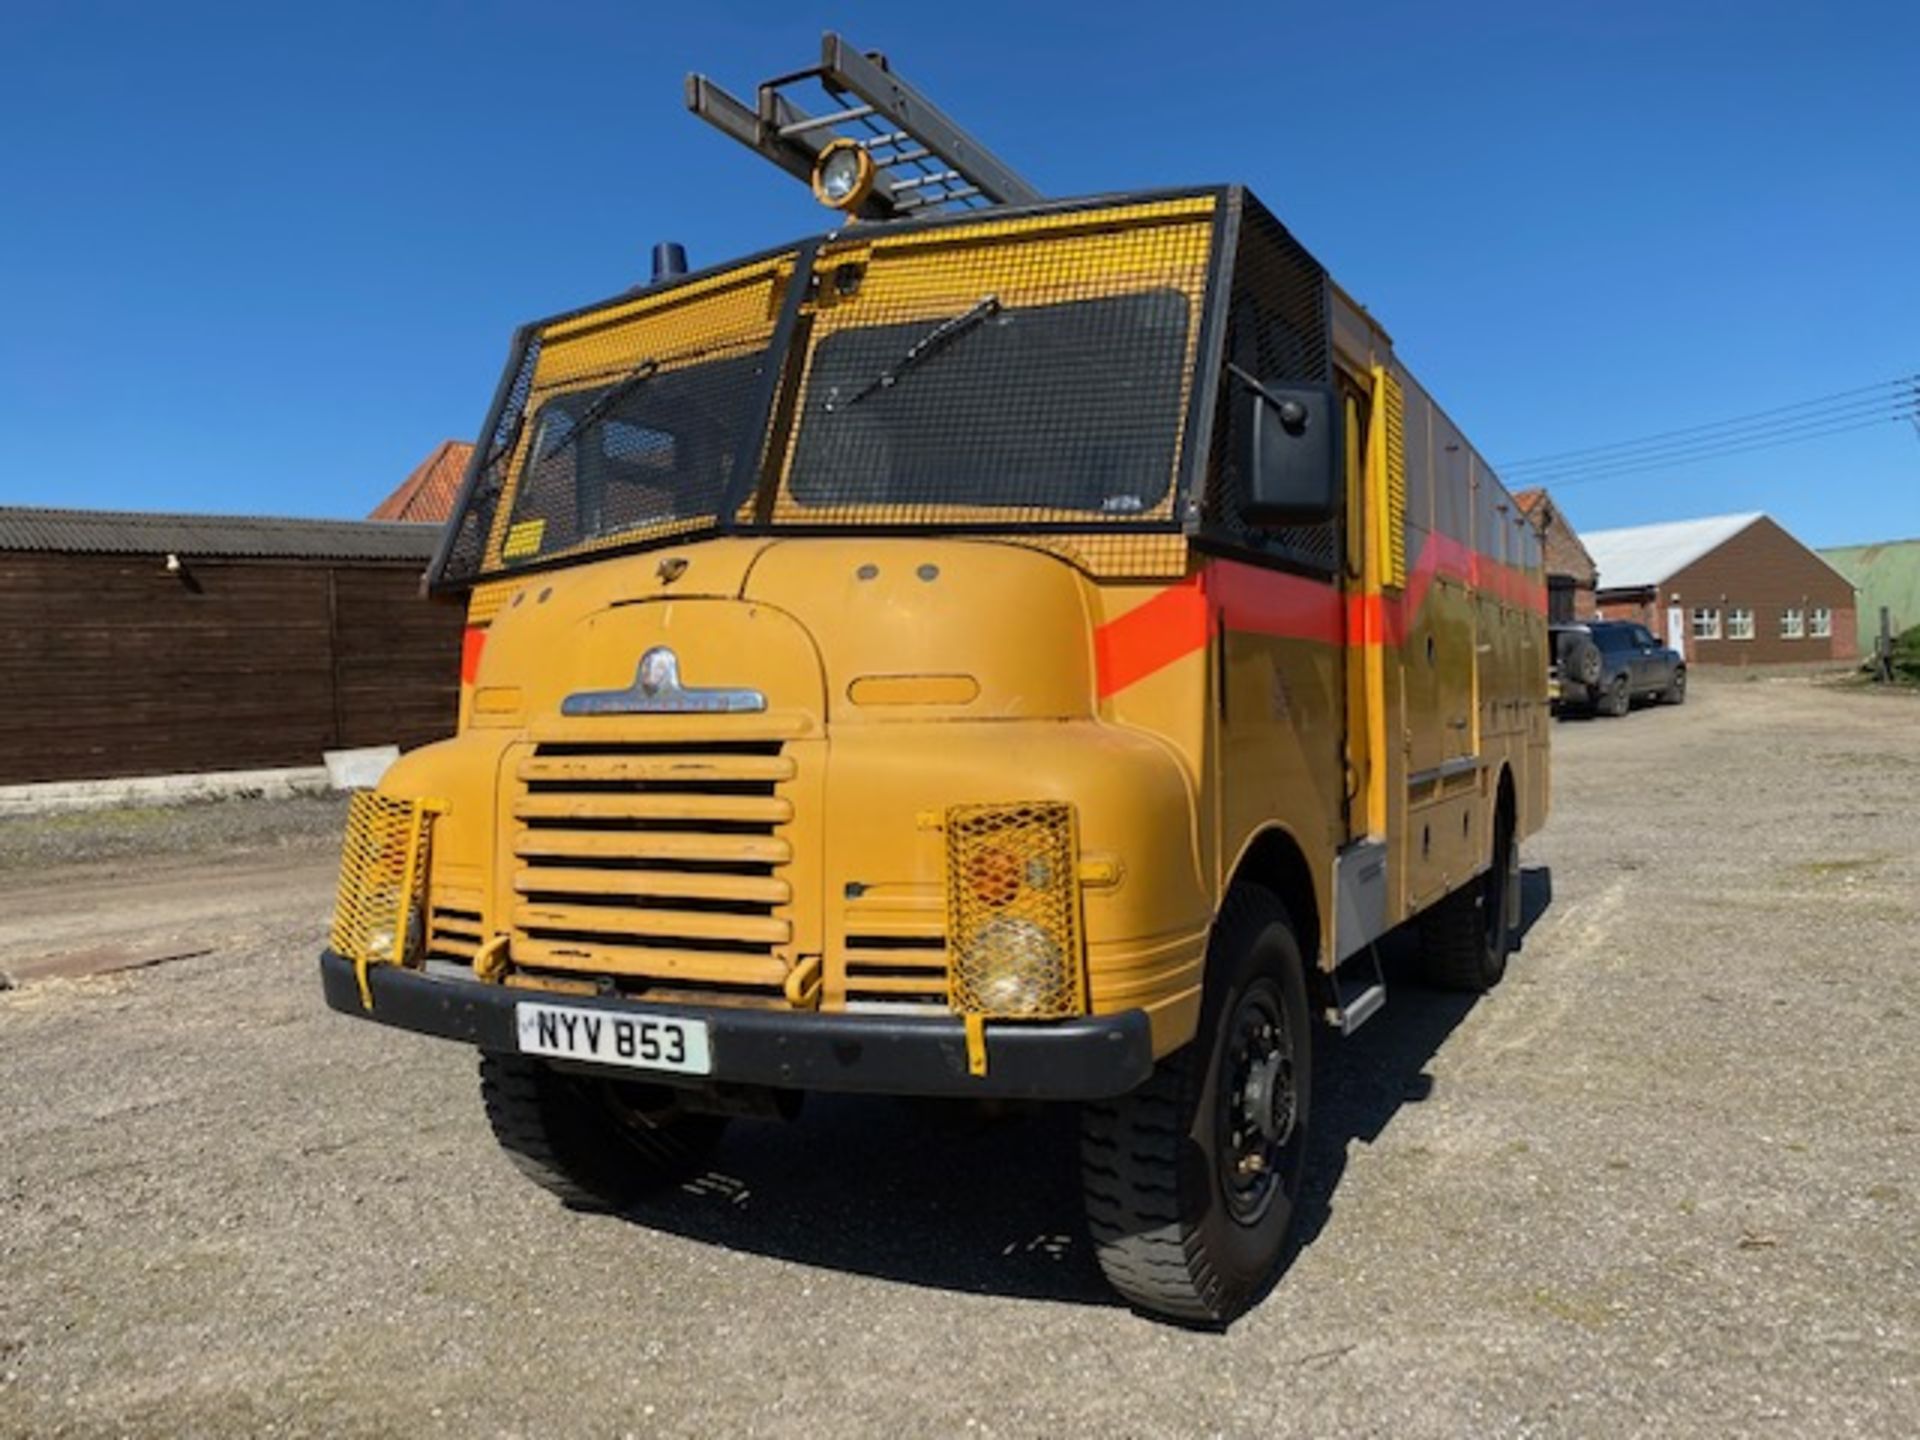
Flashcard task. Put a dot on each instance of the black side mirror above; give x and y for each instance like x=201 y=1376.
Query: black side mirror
x=1292 y=455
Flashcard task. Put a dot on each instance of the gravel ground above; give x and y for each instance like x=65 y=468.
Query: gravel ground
x=1664 y=1180
x=151 y=832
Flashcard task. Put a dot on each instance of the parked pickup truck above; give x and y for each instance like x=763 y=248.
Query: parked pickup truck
x=1603 y=666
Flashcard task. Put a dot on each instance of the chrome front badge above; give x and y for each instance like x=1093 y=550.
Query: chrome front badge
x=656 y=690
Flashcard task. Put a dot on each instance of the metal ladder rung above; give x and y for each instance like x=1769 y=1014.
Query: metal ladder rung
x=825 y=122
x=916 y=182
x=921 y=202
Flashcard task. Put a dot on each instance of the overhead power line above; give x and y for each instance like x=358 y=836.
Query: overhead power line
x=1875 y=404
x=1782 y=431
x=1890 y=400
x=1899 y=382
x=1664 y=462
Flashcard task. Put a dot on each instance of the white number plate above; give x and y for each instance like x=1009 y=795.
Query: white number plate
x=649 y=1042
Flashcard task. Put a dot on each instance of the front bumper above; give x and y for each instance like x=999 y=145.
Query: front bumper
x=1090 y=1058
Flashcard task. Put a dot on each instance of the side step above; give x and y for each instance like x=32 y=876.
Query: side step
x=1357 y=999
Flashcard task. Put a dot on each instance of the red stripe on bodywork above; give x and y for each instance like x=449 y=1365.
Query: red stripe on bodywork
x=471 y=644
x=1151 y=636
x=1260 y=601
x=1256 y=600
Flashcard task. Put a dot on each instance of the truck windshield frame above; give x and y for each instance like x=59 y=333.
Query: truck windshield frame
x=1090 y=380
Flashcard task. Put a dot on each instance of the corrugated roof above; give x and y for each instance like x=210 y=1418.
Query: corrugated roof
x=146 y=532
x=1885 y=574
x=1641 y=555
x=427 y=495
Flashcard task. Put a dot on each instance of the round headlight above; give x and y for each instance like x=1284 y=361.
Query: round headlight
x=1013 y=968
x=843 y=175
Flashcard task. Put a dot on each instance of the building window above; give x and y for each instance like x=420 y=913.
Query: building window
x=1822 y=627
x=1793 y=623
x=1706 y=624
x=1739 y=623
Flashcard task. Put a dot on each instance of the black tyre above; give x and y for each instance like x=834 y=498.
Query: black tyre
x=1617 y=698
x=1580 y=658
x=1191 y=1181
x=597 y=1144
x=1465 y=939
x=1676 y=693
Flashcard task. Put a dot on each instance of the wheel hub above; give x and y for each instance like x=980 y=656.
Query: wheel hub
x=1268 y=1098
x=1258 y=1109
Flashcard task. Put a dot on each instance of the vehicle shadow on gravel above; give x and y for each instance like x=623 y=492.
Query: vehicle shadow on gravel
x=1362 y=1082
x=952 y=1197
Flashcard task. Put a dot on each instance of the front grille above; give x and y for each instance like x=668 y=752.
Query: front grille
x=896 y=969
x=895 y=947
x=662 y=866
x=453 y=934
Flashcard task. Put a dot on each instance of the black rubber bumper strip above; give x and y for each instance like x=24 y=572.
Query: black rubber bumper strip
x=1089 y=1058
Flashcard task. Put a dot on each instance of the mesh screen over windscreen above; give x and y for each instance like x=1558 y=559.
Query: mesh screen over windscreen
x=651 y=451
x=1073 y=406
x=1028 y=376
x=625 y=424
x=1025 y=376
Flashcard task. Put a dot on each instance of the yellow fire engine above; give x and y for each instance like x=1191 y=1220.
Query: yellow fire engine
x=1029 y=651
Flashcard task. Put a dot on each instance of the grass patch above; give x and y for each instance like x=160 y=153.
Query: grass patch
x=1828 y=869
x=1589 y=1312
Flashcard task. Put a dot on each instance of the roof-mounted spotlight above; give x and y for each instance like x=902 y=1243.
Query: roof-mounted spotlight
x=843 y=175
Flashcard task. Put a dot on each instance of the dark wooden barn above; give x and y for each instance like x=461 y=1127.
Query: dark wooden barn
x=149 y=644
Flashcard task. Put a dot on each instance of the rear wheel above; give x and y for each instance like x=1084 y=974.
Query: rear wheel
x=597 y=1144
x=1617 y=698
x=1191 y=1181
x=1466 y=938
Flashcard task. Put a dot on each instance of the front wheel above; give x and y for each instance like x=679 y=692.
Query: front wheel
x=1191 y=1181
x=597 y=1144
x=1676 y=693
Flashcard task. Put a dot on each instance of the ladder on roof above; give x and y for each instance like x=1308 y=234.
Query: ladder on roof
x=923 y=162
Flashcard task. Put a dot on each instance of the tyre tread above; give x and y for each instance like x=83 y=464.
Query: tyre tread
x=1151 y=1253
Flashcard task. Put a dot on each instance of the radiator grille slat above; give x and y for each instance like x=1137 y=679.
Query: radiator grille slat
x=653 y=962
x=653 y=884
x=616 y=921
x=722 y=809
x=673 y=768
x=644 y=845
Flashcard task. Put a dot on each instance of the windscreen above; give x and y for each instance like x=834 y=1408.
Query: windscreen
x=645 y=452
x=1068 y=406
x=1029 y=372
x=1021 y=373
x=625 y=424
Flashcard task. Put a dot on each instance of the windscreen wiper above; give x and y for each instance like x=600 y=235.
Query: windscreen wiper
x=602 y=403
x=934 y=341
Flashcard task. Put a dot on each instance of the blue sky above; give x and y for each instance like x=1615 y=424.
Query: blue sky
x=262 y=257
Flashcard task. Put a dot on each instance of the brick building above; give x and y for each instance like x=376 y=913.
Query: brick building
x=1727 y=590
x=1571 y=575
